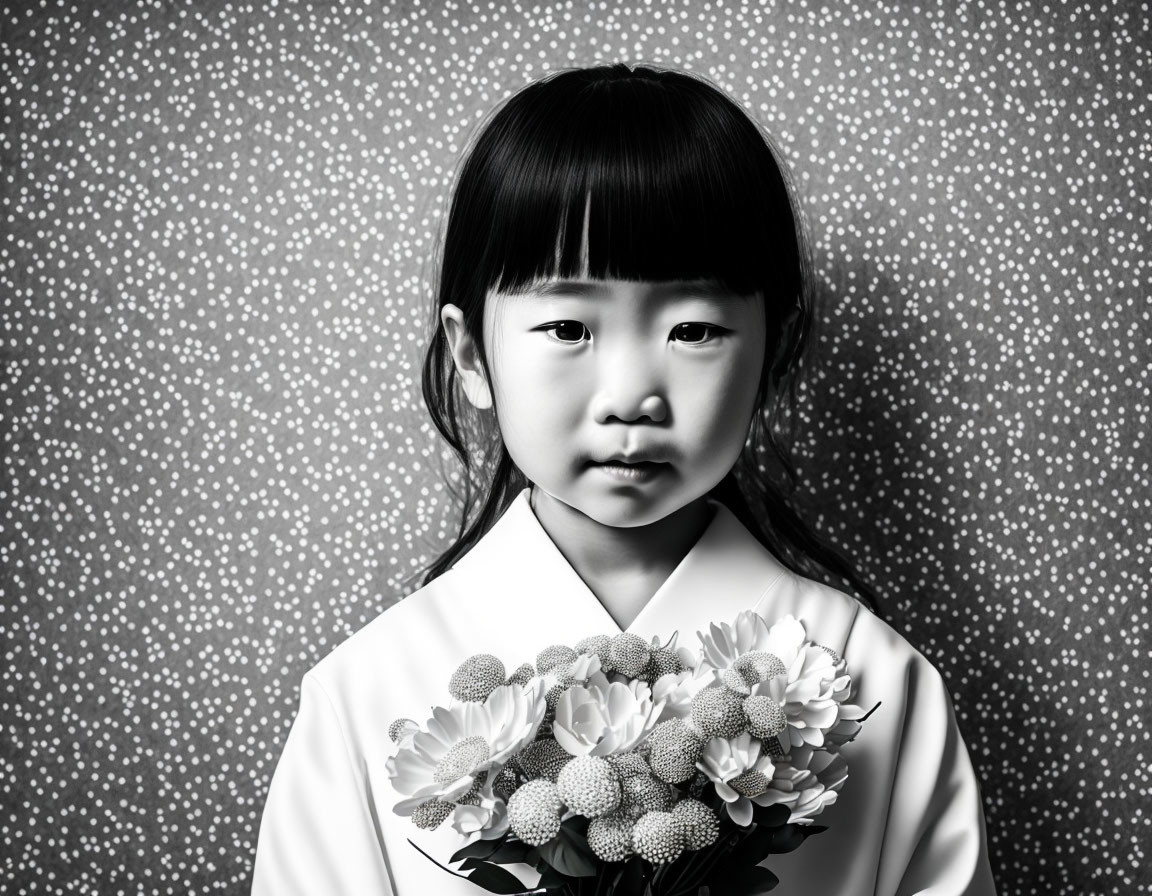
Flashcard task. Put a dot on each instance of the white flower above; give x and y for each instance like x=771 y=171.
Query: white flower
x=811 y=692
x=578 y=671
x=486 y=814
x=603 y=718
x=676 y=691
x=689 y=659
x=808 y=781
x=742 y=774
x=724 y=643
x=464 y=743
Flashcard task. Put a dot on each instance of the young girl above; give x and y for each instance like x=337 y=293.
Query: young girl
x=623 y=303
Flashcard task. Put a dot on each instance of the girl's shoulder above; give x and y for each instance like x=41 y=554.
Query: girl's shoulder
x=844 y=624
x=390 y=637
x=396 y=666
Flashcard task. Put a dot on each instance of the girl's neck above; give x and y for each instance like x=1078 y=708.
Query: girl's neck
x=623 y=567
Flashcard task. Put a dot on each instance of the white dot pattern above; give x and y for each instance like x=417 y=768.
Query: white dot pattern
x=218 y=226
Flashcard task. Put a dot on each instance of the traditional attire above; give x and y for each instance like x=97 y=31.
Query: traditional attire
x=908 y=821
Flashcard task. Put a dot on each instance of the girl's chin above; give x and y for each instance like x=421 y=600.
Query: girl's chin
x=618 y=508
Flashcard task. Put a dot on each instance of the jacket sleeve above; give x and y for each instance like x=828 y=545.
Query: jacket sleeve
x=318 y=833
x=935 y=842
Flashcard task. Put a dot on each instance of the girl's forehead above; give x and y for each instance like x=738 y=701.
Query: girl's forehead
x=710 y=288
x=594 y=286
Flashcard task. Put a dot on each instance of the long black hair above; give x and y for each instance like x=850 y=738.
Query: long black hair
x=676 y=183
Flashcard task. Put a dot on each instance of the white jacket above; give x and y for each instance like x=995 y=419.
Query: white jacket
x=908 y=821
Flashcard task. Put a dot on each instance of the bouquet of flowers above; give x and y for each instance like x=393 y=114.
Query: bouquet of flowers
x=619 y=766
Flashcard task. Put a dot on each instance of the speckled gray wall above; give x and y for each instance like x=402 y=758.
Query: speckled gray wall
x=218 y=222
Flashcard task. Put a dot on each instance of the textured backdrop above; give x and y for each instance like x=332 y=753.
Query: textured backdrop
x=218 y=225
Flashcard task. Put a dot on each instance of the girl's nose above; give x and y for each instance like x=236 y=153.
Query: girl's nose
x=627 y=401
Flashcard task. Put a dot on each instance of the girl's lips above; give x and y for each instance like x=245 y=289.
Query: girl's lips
x=634 y=472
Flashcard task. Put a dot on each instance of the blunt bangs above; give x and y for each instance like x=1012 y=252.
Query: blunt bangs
x=671 y=179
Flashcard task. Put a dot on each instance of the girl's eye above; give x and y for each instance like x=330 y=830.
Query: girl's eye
x=567 y=331
x=695 y=334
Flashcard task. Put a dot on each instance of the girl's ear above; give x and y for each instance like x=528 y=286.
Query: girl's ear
x=466 y=357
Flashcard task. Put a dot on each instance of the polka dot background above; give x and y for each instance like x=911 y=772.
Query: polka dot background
x=218 y=226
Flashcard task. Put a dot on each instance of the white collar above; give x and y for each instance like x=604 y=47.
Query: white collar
x=726 y=571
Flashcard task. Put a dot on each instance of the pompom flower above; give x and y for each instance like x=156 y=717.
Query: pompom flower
x=629 y=654
x=674 y=749
x=534 y=812
x=719 y=712
x=610 y=837
x=642 y=794
x=464 y=743
x=590 y=786
x=700 y=825
x=600 y=719
x=476 y=677
x=742 y=773
x=658 y=837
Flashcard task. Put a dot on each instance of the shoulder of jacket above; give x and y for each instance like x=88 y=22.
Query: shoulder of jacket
x=861 y=623
x=397 y=623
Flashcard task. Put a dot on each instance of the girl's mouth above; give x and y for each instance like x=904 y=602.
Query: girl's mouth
x=641 y=471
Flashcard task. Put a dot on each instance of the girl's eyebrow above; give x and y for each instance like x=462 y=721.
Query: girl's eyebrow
x=546 y=288
x=701 y=288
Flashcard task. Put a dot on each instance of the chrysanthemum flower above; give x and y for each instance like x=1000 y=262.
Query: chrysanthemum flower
x=676 y=691
x=807 y=782
x=812 y=689
x=812 y=692
x=725 y=644
x=484 y=814
x=742 y=773
x=462 y=742
x=603 y=718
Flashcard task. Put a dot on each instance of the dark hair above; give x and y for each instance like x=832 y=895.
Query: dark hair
x=677 y=182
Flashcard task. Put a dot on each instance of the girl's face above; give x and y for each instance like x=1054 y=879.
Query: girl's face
x=623 y=401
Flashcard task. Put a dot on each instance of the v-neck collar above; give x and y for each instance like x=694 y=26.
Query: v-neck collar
x=726 y=571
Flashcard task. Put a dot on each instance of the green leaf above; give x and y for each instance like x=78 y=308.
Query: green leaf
x=750 y=881
x=551 y=879
x=569 y=853
x=752 y=848
x=786 y=839
x=774 y=816
x=495 y=879
x=510 y=852
x=630 y=879
x=480 y=849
